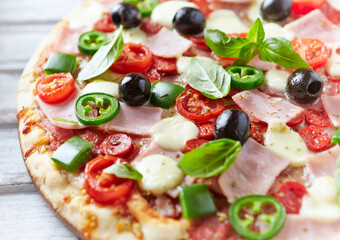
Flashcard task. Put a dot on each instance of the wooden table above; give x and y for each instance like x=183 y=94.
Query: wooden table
x=23 y=212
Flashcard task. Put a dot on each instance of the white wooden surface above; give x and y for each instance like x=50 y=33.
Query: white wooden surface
x=24 y=213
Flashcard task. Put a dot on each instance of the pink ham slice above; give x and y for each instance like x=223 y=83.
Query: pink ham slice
x=300 y=228
x=264 y=107
x=331 y=104
x=154 y=148
x=167 y=43
x=324 y=163
x=253 y=172
x=108 y=4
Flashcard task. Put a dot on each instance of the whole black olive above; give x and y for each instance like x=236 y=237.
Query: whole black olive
x=233 y=124
x=189 y=21
x=126 y=14
x=135 y=89
x=304 y=86
x=276 y=10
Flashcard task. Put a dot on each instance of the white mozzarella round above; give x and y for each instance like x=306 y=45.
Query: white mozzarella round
x=226 y=21
x=274 y=30
x=276 y=79
x=133 y=35
x=183 y=63
x=255 y=10
x=87 y=15
x=333 y=64
x=102 y=86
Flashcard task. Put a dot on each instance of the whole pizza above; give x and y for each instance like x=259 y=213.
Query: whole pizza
x=200 y=119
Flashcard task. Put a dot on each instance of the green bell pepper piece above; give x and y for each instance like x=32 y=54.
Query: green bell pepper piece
x=90 y=42
x=164 y=94
x=245 y=77
x=336 y=137
x=60 y=63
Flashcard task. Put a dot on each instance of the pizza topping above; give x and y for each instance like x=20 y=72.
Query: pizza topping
x=146 y=7
x=149 y=27
x=196 y=201
x=257 y=131
x=164 y=94
x=124 y=170
x=316 y=138
x=206 y=130
x=98 y=85
x=118 y=145
x=262 y=209
x=336 y=137
x=105 y=24
x=276 y=10
x=245 y=77
x=90 y=42
x=72 y=154
x=126 y=14
x=194 y=143
x=60 y=63
x=318 y=119
x=189 y=21
x=331 y=104
x=306 y=6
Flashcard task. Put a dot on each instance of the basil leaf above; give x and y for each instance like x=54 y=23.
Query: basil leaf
x=210 y=159
x=64 y=120
x=281 y=51
x=336 y=137
x=124 y=170
x=103 y=58
x=247 y=54
x=222 y=45
x=256 y=32
x=208 y=77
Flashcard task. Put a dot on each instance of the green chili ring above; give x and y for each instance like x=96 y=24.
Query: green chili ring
x=245 y=77
x=241 y=226
x=90 y=42
x=146 y=7
x=100 y=100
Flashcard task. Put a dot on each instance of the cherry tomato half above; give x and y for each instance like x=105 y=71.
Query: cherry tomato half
x=164 y=65
x=102 y=187
x=315 y=138
x=105 y=24
x=206 y=130
x=133 y=58
x=296 y=121
x=194 y=143
x=313 y=51
x=55 y=88
x=306 y=6
x=257 y=131
x=117 y=145
x=195 y=106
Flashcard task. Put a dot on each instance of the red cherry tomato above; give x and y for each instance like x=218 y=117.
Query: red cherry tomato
x=315 y=138
x=94 y=135
x=102 y=187
x=203 y=5
x=295 y=121
x=206 y=130
x=313 y=51
x=290 y=195
x=257 y=131
x=134 y=58
x=195 y=106
x=194 y=143
x=105 y=24
x=164 y=65
x=55 y=88
x=318 y=119
x=306 y=6
x=117 y=145
x=149 y=27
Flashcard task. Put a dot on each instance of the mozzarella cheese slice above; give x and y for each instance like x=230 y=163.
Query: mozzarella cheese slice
x=334 y=4
x=333 y=64
x=183 y=63
x=133 y=35
x=276 y=79
x=273 y=30
x=226 y=21
x=102 y=86
x=254 y=10
x=87 y=15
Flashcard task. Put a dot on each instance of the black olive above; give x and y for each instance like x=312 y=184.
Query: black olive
x=233 y=124
x=276 y=10
x=126 y=14
x=189 y=21
x=304 y=86
x=135 y=89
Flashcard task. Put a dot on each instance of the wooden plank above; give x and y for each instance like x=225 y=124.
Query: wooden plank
x=27 y=216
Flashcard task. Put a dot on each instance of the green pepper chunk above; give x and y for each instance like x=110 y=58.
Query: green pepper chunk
x=106 y=106
x=164 y=94
x=72 y=154
x=253 y=204
x=196 y=201
x=336 y=137
x=60 y=63
x=90 y=42
x=131 y=1
x=146 y=7
x=245 y=77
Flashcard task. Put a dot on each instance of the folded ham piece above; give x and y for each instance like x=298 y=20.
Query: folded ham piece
x=253 y=172
x=154 y=148
x=264 y=107
x=331 y=104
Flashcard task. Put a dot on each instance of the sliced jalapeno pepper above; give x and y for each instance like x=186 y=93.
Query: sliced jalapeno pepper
x=96 y=108
x=253 y=204
x=245 y=77
x=146 y=7
x=90 y=42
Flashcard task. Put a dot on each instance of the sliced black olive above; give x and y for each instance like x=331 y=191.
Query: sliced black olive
x=276 y=10
x=126 y=14
x=189 y=21
x=233 y=124
x=304 y=86
x=135 y=89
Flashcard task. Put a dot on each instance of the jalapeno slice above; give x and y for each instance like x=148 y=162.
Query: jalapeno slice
x=90 y=42
x=245 y=77
x=96 y=108
x=244 y=211
x=146 y=7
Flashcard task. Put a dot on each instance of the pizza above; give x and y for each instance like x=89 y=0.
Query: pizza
x=201 y=119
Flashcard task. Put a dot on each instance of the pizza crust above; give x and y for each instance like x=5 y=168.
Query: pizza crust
x=64 y=191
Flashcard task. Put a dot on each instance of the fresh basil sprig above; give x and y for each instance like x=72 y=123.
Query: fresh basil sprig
x=210 y=159
x=124 y=170
x=104 y=57
x=277 y=50
x=208 y=77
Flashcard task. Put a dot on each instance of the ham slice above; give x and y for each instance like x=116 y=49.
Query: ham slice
x=67 y=39
x=167 y=43
x=264 y=107
x=301 y=228
x=253 y=172
x=60 y=134
x=154 y=148
x=331 y=104
x=324 y=163
x=108 y=4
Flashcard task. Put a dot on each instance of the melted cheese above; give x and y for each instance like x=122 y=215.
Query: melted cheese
x=334 y=4
x=183 y=63
x=133 y=35
x=276 y=79
x=254 y=10
x=87 y=15
x=226 y=21
x=333 y=64
x=102 y=86
x=160 y=173
x=274 y=30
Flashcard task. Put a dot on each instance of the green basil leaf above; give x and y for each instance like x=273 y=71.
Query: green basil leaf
x=210 y=159
x=104 y=57
x=247 y=54
x=256 y=32
x=336 y=137
x=208 y=77
x=124 y=170
x=281 y=51
x=222 y=45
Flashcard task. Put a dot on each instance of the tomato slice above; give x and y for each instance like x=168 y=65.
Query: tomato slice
x=133 y=58
x=290 y=195
x=318 y=119
x=117 y=145
x=315 y=138
x=296 y=121
x=257 y=131
x=55 y=88
x=105 y=24
x=206 y=130
x=195 y=106
x=306 y=6
x=313 y=51
x=194 y=143
x=149 y=27
x=102 y=187
x=164 y=65
x=94 y=135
